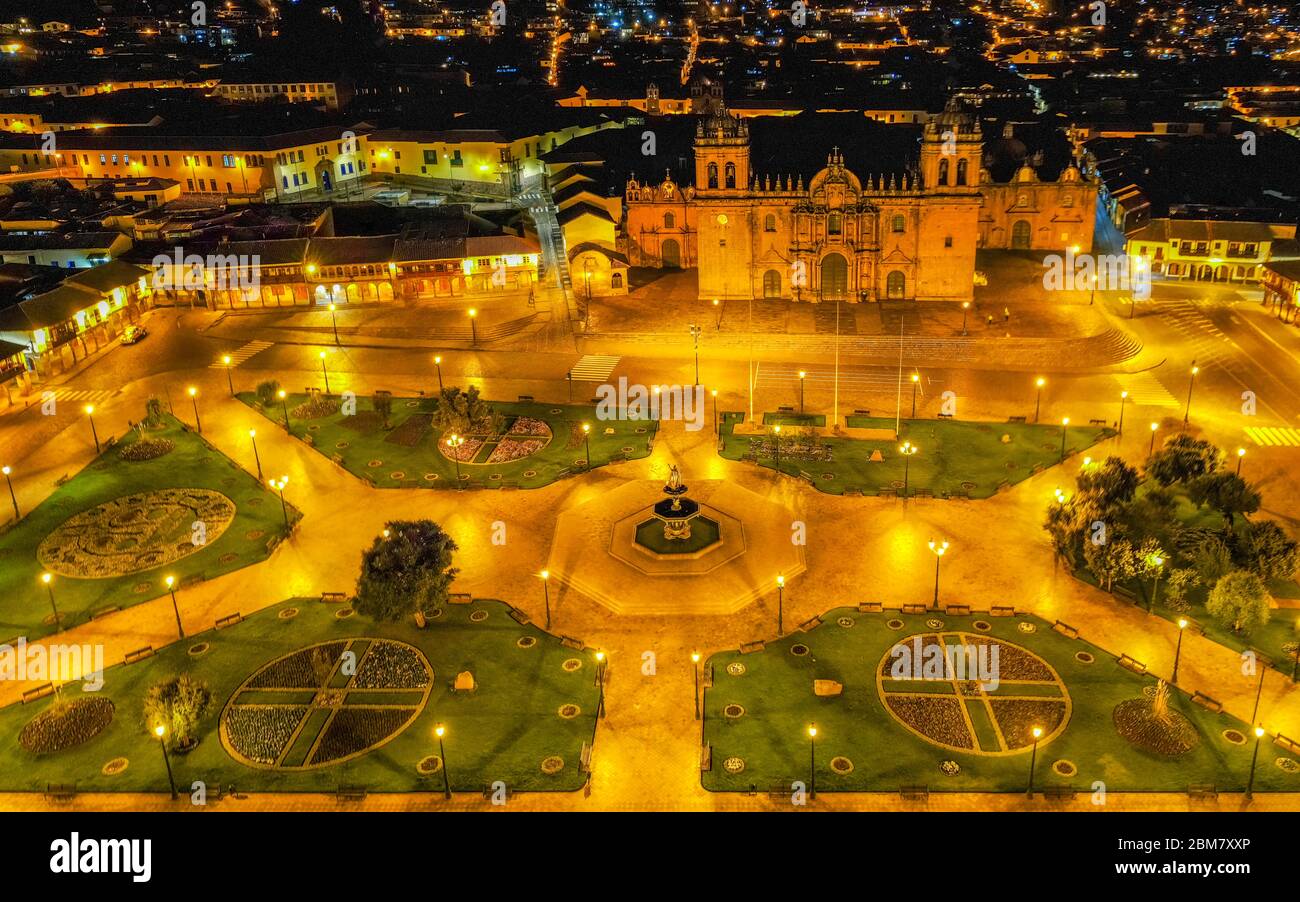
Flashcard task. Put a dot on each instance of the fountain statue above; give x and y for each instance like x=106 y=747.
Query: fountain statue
x=676 y=511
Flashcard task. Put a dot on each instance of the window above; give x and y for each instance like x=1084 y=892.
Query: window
x=713 y=175
x=670 y=221
x=456 y=159
x=769 y=223
x=227 y=161
x=834 y=224
x=961 y=172
x=616 y=280
x=947 y=241
x=731 y=175
x=1067 y=201
x=209 y=159
x=898 y=225
x=431 y=157
x=943 y=172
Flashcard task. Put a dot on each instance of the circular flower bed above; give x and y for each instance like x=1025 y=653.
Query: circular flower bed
x=934 y=623
x=254 y=534
x=572 y=664
x=371 y=464
x=894 y=624
x=798 y=649
x=133 y=533
x=429 y=764
x=147 y=449
x=841 y=765
x=66 y=724
x=949 y=768
x=552 y=765
x=1026 y=627
x=1084 y=657
x=1287 y=764
x=1236 y=737
x=733 y=711
x=478 y=616
x=315 y=407
x=198 y=649
x=397 y=475
x=846 y=622
x=526 y=641
x=735 y=668
x=569 y=711
x=1065 y=768
x=733 y=765
x=431 y=477
x=288 y=613
x=344 y=613
x=114 y=767
x=982 y=625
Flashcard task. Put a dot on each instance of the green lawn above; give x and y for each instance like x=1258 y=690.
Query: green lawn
x=1276 y=639
x=192 y=464
x=955 y=457
x=776 y=692
x=501 y=731
x=406 y=455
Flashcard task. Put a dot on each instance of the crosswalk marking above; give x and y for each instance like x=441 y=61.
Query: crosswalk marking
x=1274 y=435
x=92 y=396
x=1146 y=390
x=241 y=355
x=594 y=368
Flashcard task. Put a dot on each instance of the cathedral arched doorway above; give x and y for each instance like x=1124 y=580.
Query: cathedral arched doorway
x=771 y=284
x=835 y=277
x=1020 y=235
x=896 y=285
x=671 y=254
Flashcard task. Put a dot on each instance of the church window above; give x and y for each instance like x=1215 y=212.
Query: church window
x=670 y=221
x=943 y=172
x=713 y=175
x=961 y=172
x=616 y=280
x=834 y=224
x=769 y=223
x=899 y=225
x=731 y=175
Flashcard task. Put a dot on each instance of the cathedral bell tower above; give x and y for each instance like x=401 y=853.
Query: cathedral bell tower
x=951 y=152
x=721 y=154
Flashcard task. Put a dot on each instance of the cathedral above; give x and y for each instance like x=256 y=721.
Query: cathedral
x=911 y=235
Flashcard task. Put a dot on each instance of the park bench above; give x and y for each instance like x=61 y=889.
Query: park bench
x=957 y=610
x=914 y=609
x=1002 y=610
x=914 y=793
x=860 y=412
x=706 y=757
x=1287 y=743
x=1065 y=629
x=1207 y=702
x=1125 y=593
x=784 y=409
x=1128 y=662
x=525 y=397
x=333 y=597
x=807 y=477
x=229 y=620
x=922 y=493
x=706 y=680
x=887 y=491
x=39 y=692
x=60 y=792
x=350 y=793
x=518 y=616
x=944 y=416
x=584 y=758
x=1097 y=421
x=870 y=607
x=748 y=647
x=1017 y=419
x=809 y=625
x=570 y=642
x=460 y=598
x=509 y=484
x=853 y=490
x=138 y=655
x=1059 y=793
x=1202 y=792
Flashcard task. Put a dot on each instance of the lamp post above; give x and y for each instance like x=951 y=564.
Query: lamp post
x=780 y=605
x=1191 y=383
x=278 y=485
x=916 y=381
x=546 y=595
x=600 y=685
x=695 y=672
x=1241 y=452
x=437 y=362
x=194 y=402
x=695 y=335
x=812 y=760
x=1065 y=427
x=161 y=732
x=335 y=323
x=715 y=412
x=171 y=587
x=965 y=309
x=440 y=731
x=907 y=450
x=473 y=325
x=776 y=448
x=48 y=579
x=228 y=362
x=717 y=305
x=939 y=549
x=1157 y=564
x=1178 y=649
x=14 y=498
x=90 y=415
x=1123 y=399
x=586 y=442
x=284 y=405
x=454 y=442
x=324 y=372
x=1092 y=295
x=1295 y=663
x=1038 y=398
x=803 y=375
x=1033 y=759
x=252 y=437
x=1254 y=759
x=1152 y=450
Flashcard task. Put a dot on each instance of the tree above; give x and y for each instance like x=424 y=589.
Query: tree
x=1179 y=582
x=153 y=412
x=1060 y=525
x=1110 y=561
x=1266 y=550
x=1227 y=493
x=1183 y=459
x=1239 y=601
x=383 y=405
x=405 y=571
x=1149 y=560
x=178 y=704
x=1111 y=483
x=267 y=392
x=463 y=411
x=1211 y=557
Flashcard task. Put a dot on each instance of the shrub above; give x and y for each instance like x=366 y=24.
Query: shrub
x=1239 y=601
x=177 y=704
x=1266 y=550
x=1183 y=459
x=406 y=570
x=267 y=392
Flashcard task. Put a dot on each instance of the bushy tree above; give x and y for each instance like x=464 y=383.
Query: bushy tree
x=1227 y=493
x=1266 y=550
x=178 y=704
x=1180 y=581
x=407 y=570
x=1239 y=601
x=267 y=392
x=1110 y=562
x=1183 y=459
x=1211 y=557
x=1110 y=484
x=383 y=405
x=1060 y=526
x=463 y=411
x=153 y=414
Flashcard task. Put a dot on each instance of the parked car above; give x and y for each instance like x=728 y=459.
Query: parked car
x=132 y=334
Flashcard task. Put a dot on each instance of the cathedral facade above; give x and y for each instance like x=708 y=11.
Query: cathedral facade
x=841 y=236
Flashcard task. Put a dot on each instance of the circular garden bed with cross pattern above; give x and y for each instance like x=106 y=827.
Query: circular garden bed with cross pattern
x=135 y=532
x=520 y=437
x=326 y=703
x=944 y=698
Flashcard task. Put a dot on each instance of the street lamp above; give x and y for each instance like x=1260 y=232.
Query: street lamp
x=717 y=305
x=1254 y=758
x=439 y=731
x=695 y=334
x=1038 y=399
x=939 y=549
x=324 y=372
x=776 y=447
x=1157 y=564
x=812 y=760
x=473 y=325
x=1065 y=427
x=1152 y=450
x=695 y=672
x=1296 y=663
x=47 y=578
x=252 y=436
x=965 y=309
x=228 y=362
x=1033 y=758
x=1123 y=398
x=907 y=449
x=586 y=442
x=437 y=361
x=802 y=376
x=600 y=683
x=1178 y=650
x=278 y=485
x=454 y=442
x=1241 y=452
x=335 y=323
x=284 y=405
x=780 y=605
x=916 y=381
x=14 y=498
x=546 y=595
x=90 y=415
x=171 y=587
x=715 y=411
x=1191 y=383
x=194 y=402
x=161 y=732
